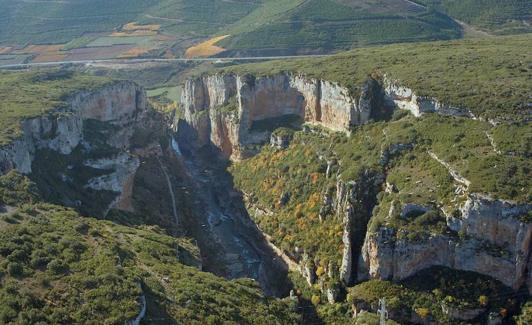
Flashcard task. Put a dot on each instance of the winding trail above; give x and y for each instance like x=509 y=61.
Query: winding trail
x=456 y=176
x=493 y=144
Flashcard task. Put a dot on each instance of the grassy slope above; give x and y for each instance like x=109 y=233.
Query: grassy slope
x=499 y=17
x=324 y=25
x=489 y=76
x=29 y=94
x=57 y=267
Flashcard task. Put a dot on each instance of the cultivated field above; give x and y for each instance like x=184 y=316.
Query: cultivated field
x=207 y=48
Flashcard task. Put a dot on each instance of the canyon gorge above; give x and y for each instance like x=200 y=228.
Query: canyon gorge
x=109 y=154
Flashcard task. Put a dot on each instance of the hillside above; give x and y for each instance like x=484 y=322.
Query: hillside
x=318 y=26
x=59 y=267
x=78 y=147
x=53 y=22
x=80 y=30
x=497 y=17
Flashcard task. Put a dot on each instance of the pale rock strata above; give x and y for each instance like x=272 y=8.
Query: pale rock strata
x=61 y=130
x=122 y=169
x=407 y=99
x=205 y=102
x=120 y=105
x=493 y=241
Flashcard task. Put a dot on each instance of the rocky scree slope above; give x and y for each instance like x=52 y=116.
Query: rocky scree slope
x=374 y=220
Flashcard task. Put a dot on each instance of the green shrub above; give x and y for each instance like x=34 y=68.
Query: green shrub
x=57 y=267
x=15 y=269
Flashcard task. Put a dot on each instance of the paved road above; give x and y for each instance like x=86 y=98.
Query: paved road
x=134 y=61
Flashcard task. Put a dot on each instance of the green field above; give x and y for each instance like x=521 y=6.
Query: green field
x=170 y=93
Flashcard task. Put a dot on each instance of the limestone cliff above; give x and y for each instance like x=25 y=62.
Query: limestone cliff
x=237 y=113
x=491 y=240
x=234 y=112
x=100 y=122
x=405 y=98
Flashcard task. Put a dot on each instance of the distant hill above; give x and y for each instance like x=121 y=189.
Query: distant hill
x=282 y=26
x=82 y=29
x=53 y=22
x=499 y=17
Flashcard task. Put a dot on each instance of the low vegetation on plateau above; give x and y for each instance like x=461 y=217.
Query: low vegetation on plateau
x=488 y=76
x=29 y=94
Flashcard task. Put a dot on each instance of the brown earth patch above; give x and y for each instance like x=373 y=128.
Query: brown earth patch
x=49 y=57
x=5 y=50
x=133 y=26
x=205 y=49
x=99 y=52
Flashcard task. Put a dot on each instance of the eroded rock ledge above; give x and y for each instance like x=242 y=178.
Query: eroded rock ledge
x=490 y=239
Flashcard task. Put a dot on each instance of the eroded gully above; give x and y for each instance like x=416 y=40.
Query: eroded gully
x=232 y=246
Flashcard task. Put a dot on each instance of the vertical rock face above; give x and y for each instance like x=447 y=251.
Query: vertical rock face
x=109 y=114
x=355 y=200
x=62 y=130
x=493 y=241
x=233 y=112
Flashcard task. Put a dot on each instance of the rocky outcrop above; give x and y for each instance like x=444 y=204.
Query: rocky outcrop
x=62 y=129
x=121 y=170
x=492 y=241
x=105 y=118
x=355 y=200
x=407 y=99
x=234 y=112
x=280 y=139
